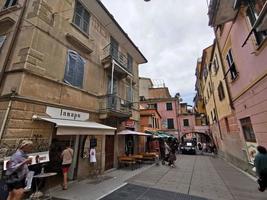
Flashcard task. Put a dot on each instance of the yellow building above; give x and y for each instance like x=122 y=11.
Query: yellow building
x=219 y=107
x=69 y=73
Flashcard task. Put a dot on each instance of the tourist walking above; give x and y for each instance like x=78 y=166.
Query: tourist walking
x=260 y=164
x=66 y=156
x=17 y=170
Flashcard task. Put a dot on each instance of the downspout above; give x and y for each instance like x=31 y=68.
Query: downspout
x=112 y=77
x=12 y=43
x=5 y=118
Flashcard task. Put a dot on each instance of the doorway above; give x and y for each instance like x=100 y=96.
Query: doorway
x=109 y=152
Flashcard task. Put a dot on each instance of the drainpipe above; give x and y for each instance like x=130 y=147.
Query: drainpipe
x=5 y=119
x=112 y=77
x=13 y=40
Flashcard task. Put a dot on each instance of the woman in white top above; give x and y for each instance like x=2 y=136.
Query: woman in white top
x=66 y=156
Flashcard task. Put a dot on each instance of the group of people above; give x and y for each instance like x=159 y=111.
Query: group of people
x=169 y=152
x=17 y=169
x=210 y=148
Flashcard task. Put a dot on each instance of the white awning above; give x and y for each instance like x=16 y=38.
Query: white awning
x=71 y=127
x=129 y=132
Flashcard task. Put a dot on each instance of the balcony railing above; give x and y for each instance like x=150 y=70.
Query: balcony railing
x=111 y=52
x=114 y=105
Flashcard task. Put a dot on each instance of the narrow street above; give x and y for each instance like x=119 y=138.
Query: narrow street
x=195 y=177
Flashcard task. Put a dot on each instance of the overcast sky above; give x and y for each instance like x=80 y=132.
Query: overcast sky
x=171 y=34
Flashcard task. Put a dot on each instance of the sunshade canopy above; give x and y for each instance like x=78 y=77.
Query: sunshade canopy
x=71 y=127
x=129 y=132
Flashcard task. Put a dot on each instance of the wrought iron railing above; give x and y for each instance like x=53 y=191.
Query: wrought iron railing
x=118 y=56
x=114 y=103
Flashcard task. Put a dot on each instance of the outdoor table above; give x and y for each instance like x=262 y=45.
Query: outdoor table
x=127 y=160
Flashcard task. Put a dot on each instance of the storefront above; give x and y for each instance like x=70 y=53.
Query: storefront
x=74 y=128
x=134 y=141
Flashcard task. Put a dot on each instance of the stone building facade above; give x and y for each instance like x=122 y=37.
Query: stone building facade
x=69 y=75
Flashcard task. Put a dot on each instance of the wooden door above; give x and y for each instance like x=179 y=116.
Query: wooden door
x=109 y=152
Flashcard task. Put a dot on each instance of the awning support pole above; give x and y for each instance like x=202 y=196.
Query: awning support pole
x=112 y=76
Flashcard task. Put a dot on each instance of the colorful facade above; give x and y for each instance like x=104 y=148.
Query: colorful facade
x=240 y=28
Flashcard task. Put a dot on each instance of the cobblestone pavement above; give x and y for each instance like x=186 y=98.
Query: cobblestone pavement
x=194 y=177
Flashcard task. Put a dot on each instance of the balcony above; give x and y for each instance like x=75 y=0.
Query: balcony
x=114 y=106
x=111 y=54
x=221 y=11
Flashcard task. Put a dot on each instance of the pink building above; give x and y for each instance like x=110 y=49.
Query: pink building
x=161 y=100
x=175 y=117
x=241 y=32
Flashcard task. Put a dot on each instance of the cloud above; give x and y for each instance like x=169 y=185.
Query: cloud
x=171 y=34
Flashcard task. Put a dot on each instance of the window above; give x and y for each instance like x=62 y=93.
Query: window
x=152 y=106
x=115 y=86
x=231 y=65
x=142 y=98
x=129 y=93
x=210 y=88
x=186 y=122
x=2 y=40
x=114 y=48
x=253 y=11
x=10 y=3
x=247 y=129
x=170 y=123
x=168 y=106
x=211 y=115
x=221 y=91
x=215 y=64
x=74 y=69
x=129 y=63
x=81 y=17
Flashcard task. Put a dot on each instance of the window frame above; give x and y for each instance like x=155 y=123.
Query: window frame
x=252 y=17
x=187 y=124
x=80 y=26
x=231 y=65
x=129 y=93
x=72 y=78
x=169 y=106
x=129 y=62
x=246 y=123
x=2 y=42
x=221 y=93
x=10 y=3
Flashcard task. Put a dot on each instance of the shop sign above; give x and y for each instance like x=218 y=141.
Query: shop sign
x=129 y=123
x=59 y=113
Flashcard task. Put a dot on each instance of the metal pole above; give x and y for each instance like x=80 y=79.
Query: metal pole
x=112 y=76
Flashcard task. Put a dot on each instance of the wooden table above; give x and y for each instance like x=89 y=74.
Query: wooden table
x=127 y=160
